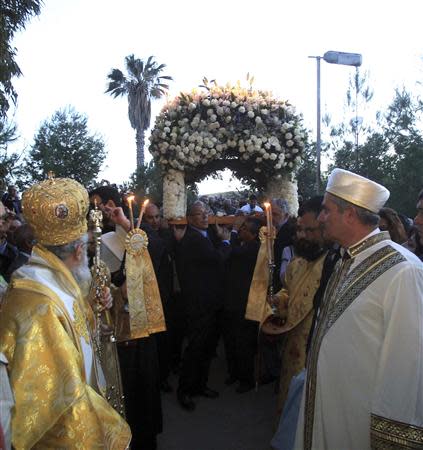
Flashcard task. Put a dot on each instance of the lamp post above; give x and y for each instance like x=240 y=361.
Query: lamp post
x=331 y=57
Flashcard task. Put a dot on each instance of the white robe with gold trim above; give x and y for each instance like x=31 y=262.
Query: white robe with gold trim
x=364 y=386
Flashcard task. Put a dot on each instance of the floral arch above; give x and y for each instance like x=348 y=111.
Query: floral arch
x=260 y=138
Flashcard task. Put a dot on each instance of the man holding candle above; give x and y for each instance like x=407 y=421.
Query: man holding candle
x=138 y=357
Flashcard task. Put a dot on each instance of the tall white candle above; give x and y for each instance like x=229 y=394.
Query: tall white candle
x=130 y=199
x=144 y=205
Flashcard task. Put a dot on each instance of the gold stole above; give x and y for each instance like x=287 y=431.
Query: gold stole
x=258 y=309
x=144 y=303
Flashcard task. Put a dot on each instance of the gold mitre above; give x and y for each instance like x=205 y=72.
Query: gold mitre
x=57 y=210
x=357 y=190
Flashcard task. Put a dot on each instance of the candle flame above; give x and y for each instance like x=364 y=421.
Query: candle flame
x=130 y=198
x=266 y=205
x=145 y=202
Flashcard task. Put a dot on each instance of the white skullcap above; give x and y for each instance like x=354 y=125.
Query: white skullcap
x=357 y=190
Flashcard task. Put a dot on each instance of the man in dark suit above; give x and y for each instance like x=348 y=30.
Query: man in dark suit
x=161 y=244
x=200 y=265
x=240 y=334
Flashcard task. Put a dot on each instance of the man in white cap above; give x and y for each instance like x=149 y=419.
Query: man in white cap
x=364 y=380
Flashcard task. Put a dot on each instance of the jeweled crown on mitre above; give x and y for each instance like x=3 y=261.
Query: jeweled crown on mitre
x=57 y=210
x=357 y=190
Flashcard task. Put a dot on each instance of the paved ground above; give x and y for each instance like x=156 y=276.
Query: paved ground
x=231 y=422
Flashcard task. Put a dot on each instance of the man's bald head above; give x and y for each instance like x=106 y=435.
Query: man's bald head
x=152 y=216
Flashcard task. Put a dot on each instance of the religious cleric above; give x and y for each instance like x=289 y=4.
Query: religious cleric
x=46 y=332
x=364 y=378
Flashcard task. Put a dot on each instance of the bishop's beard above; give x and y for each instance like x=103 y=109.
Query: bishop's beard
x=308 y=250
x=82 y=275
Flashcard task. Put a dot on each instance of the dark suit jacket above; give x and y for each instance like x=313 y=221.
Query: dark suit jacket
x=200 y=266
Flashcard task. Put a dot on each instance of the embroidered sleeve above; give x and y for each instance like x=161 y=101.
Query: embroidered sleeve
x=388 y=434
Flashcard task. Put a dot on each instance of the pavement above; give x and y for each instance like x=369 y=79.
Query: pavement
x=231 y=422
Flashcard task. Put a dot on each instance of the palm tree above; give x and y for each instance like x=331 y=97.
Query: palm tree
x=142 y=83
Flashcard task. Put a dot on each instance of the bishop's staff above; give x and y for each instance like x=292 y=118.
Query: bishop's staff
x=104 y=338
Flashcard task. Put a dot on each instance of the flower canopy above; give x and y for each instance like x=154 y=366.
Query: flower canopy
x=250 y=132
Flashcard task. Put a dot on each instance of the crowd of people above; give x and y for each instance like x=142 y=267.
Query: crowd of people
x=341 y=339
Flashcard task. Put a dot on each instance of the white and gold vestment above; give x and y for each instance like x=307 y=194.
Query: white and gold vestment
x=364 y=381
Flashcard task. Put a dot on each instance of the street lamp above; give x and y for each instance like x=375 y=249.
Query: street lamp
x=331 y=57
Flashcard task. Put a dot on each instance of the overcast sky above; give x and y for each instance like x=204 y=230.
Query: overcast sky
x=66 y=53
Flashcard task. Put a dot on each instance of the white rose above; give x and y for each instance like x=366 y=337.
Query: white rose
x=265 y=112
x=241 y=109
x=206 y=102
x=246 y=156
x=191 y=160
x=258 y=170
x=278 y=166
x=233 y=105
x=266 y=156
x=259 y=160
x=288 y=136
x=228 y=119
x=250 y=114
x=205 y=151
x=267 y=146
x=291 y=165
x=168 y=124
x=212 y=151
x=258 y=120
x=273 y=156
x=295 y=150
x=214 y=102
x=289 y=143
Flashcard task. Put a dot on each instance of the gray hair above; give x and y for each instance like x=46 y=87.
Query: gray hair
x=193 y=205
x=283 y=204
x=65 y=250
x=365 y=216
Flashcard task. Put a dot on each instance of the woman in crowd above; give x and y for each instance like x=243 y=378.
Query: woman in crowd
x=390 y=221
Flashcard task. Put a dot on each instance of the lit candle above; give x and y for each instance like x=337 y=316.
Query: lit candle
x=142 y=212
x=130 y=199
x=268 y=208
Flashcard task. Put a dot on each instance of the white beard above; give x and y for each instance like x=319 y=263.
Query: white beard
x=82 y=275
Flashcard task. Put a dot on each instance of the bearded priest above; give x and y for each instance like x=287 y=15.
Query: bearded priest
x=47 y=332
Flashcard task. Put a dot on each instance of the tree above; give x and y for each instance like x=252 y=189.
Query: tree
x=142 y=83
x=8 y=162
x=65 y=146
x=148 y=181
x=13 y=16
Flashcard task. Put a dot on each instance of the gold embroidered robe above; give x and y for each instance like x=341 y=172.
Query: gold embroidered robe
x=302 y=280
x=55 y=405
